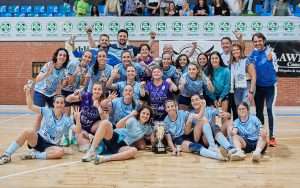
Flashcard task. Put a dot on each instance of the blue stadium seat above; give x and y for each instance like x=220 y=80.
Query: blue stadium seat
x=52 y=9
x=65 y=9
x=3 y=9
x=101 y=9
x=39 y=9
x=26 y=9
x=13 y=9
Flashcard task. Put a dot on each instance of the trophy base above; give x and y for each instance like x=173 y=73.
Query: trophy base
x=159 y=150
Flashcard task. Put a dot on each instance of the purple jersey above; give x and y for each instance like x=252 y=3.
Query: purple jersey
x=89 y=114
x=157 y=97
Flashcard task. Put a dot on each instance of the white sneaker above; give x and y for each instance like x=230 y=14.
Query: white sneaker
x=89 y=156
x=28 y=155
x=250 y=12
x=4 y=159
x=238 y=156
x=256 y=156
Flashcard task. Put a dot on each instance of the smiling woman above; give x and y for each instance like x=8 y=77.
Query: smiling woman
x=45 y=141
x=50 y=79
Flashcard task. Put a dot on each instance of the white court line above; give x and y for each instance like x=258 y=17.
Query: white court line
x=288 y=138
x=38 y=169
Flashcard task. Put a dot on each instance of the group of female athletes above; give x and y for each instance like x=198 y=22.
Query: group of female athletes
x=113 y=110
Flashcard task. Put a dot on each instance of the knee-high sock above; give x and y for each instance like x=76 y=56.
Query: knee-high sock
x=12 y=148
x=40 y=155
x=209 y=153
x=221 y=139
x=198 y=148
x=209 y=135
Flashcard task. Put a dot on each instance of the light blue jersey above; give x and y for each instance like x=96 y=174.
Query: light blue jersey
x=74 y=69
x=250 y=129
x=134 y=131
x=101 y=74
x=48 y=85
x=192 y=86
x=120 y=109
x=140 y=71
x=136 y=88
x=53 y=129
x=171 y=72
x=176 y=128
x=210 y=113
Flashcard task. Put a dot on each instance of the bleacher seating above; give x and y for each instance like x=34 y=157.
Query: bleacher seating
x=59 y=10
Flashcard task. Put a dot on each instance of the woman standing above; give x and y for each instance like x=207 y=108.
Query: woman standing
x=130 y=80
x=169 y=70
x=220 y=76
x=77 y=74
x=182 y=63
x=193 y=82
x=100 y=72
x=50 y=79
x=240 y=66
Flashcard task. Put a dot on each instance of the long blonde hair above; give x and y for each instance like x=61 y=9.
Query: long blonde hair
x=200 y=71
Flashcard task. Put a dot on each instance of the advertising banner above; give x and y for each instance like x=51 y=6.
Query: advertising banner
x=288 y=57
x=167 y=28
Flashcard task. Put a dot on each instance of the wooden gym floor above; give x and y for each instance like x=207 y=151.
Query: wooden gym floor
x=279 y=168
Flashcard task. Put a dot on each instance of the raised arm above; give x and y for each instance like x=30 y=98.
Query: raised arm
x=29 y=102
x=75 y=97
x=239 y=36
x=142 y=89
x=194 y=46
x=45 y=71
x=173 y=87
x=122 y=122
x=182 y=83
x=91 y=41
x=114 y=76
x=77 y=128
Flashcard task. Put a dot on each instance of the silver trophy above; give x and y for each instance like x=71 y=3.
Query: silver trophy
x=159 y=147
